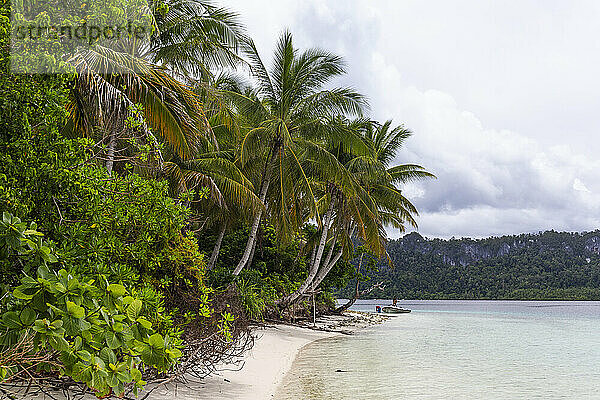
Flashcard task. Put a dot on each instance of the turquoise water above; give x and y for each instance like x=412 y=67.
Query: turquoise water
x=458 y=350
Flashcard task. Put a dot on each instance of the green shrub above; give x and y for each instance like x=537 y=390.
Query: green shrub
x=252 y=298
x=98 y=329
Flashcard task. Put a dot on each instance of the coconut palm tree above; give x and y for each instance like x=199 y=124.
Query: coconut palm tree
x=151 y=75
x=374 y=203
x=288 y=107
x=195 y=37
x=380 y=183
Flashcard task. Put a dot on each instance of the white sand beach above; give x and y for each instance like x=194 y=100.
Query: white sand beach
x=266 y=364
x=263 y=369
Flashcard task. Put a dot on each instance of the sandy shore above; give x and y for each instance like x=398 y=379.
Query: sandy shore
x=264 y=366
x=267 y=362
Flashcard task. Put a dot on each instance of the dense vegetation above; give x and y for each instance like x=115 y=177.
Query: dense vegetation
x=155 y=198
x=545 y=266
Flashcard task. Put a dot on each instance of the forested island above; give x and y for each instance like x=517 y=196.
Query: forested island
x=544 y=266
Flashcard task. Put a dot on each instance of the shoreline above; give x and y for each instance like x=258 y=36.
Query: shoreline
x=270 y=359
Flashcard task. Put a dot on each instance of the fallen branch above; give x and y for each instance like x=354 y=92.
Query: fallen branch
x=357 y=295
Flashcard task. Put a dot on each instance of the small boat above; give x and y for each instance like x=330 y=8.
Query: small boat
x=391 y=310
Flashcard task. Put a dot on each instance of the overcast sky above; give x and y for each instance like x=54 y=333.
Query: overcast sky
x=503 y=99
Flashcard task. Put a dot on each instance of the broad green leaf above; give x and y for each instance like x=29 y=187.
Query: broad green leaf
x=56 y=310
x=174 y=353
x=60 y=287
x=6 y=218
x=112 y=340
x=136 y=375
x=73 y=284
x=71 y=325
x=99 y=362
x=58 y=343
x=118 y=327
x=84 y=355
x=28 y=316
x=123 y=376
x=116 y=290
x=108 y=356
x=133 y=310
x=20 y=295
x=156 y=341
x=43 y=272
x=74 y=310
x=11 y=319
x=144 y=322
x=84 y=325
x=57 y=324
x=28 y=282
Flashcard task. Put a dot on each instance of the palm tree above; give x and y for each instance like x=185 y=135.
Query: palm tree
x=335 y=186
x=194 y=37
x=379 y=182
x=191 y=37
x=373 y=203
x=111 y=84
x=288 y=107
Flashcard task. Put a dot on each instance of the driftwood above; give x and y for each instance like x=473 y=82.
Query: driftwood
x=358 y=294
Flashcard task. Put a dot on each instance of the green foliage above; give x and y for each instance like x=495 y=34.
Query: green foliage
x=17 y=240
x=254 y=299
x=123 y=226
x=225 y=325
x=276 y=269
x=271 y=257
x=98 y=329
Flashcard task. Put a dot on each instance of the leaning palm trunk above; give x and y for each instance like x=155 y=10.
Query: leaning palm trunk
x=315 y=264
x=330 y=252
x=248 y=251
x=357 y=295
x=216 y=249
x=328 y=267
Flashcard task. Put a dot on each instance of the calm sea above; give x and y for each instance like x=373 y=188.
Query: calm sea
x=458 y=350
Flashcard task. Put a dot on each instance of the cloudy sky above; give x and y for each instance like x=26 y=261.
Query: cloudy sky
x=503 y=99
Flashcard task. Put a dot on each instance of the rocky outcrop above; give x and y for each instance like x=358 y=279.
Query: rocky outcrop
x=592 y=245
x=466 y=251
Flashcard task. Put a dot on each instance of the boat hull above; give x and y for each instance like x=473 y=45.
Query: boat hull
x=394 y=310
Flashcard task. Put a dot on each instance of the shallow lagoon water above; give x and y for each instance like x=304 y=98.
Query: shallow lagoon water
x=458 y=350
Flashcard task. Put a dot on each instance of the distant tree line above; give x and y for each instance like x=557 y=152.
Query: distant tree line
x=544 y=266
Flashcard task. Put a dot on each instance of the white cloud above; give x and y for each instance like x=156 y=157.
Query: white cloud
x=580 y=186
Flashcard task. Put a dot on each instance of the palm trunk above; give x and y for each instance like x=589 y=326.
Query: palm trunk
x=315 y=264
x=252 y=252
x=330 y=252
x=217 y=248
x=110 y=154
x=325 y=270
x=246 y=259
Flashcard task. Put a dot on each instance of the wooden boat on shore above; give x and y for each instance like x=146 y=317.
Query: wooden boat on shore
x=391 y=310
